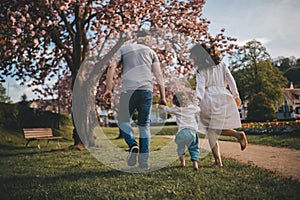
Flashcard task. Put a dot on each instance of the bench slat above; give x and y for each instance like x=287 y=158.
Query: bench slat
x=39 y=134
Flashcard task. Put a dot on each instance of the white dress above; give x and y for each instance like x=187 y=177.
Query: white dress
x=216 y=90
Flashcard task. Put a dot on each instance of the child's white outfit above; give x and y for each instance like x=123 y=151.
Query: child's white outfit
x=216 y=90
x=187 y=129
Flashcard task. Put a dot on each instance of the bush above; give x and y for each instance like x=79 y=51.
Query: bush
x=17 y=116
x=8 y=115
x=36 y=118
x=260 y=108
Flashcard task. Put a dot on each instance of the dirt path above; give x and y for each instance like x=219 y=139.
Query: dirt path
x=282 y=161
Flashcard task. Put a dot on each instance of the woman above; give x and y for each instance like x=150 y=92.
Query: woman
x=218 y=98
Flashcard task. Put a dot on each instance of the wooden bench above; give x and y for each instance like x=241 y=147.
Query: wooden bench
x=39 y=134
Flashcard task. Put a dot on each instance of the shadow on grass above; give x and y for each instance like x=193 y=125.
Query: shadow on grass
x=69 y=177
x=12 y=150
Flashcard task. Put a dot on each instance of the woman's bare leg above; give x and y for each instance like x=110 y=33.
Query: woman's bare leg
x=240 y=135
x=214 y=145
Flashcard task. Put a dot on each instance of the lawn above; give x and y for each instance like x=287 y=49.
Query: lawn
x=283 y=140
x=30 y=173
x=264 y=135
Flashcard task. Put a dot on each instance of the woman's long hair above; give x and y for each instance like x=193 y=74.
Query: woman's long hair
x=205 y=56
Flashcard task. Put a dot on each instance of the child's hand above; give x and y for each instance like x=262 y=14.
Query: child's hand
x=238 y=102
x=161 y=106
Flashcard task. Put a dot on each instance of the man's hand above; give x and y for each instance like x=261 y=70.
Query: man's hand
x=163 y=101
x=107 y=96
x=238 y=102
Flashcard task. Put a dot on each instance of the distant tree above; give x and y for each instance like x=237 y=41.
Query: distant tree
x=253 y=52
x=285 y=64
x=3 y=96
x=290 y=68
x=293 y=74
x=24 y=98
x=260 y=108
x=255 y=74
x=298 y=62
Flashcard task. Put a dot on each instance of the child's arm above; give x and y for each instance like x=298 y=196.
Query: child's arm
x=160 y=106
x=167 y=109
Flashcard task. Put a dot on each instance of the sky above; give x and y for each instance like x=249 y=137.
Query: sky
x=275 y=23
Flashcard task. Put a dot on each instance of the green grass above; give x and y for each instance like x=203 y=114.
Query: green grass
x=30 y=173
x=156 y=141
x=288 y=140
x=284 y=140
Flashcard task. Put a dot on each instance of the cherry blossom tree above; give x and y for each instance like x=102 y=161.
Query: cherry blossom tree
x=44 y=37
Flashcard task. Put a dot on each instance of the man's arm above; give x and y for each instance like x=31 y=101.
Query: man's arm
x=160 y=81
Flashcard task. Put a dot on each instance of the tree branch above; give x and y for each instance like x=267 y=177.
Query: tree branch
x=90 y=18
x=68 y=25
x=60 y=44
x=78 y=39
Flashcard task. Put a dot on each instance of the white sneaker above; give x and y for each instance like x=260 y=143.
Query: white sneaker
x=132 y=157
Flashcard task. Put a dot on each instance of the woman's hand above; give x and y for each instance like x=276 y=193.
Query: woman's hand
x=238 y=102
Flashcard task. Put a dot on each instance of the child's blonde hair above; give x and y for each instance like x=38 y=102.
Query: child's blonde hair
x=181 y=99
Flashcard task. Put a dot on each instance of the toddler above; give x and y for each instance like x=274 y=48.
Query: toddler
x=186 y=136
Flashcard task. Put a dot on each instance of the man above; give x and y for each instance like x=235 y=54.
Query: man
x=139 y=62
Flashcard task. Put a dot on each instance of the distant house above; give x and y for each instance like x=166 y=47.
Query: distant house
x=51 y=105
x=291 y=104
x=243 y=110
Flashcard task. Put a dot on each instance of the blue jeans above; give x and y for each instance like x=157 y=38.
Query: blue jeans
x=188 y=137
x=140 y=100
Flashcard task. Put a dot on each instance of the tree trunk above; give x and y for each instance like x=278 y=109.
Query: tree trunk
x=83 y=101
x=84 y=115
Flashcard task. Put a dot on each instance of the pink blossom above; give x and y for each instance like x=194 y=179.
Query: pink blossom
x=13 y=20
x=31 y=26
x=13 y=42
x=35 y=42
x=49 y=23
x=43 y=32
x=8 y=53
x=32 y=34
x=18 y=31
x=23 y=19
x=63 y=7
x=38 y=21
x=26 y=8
